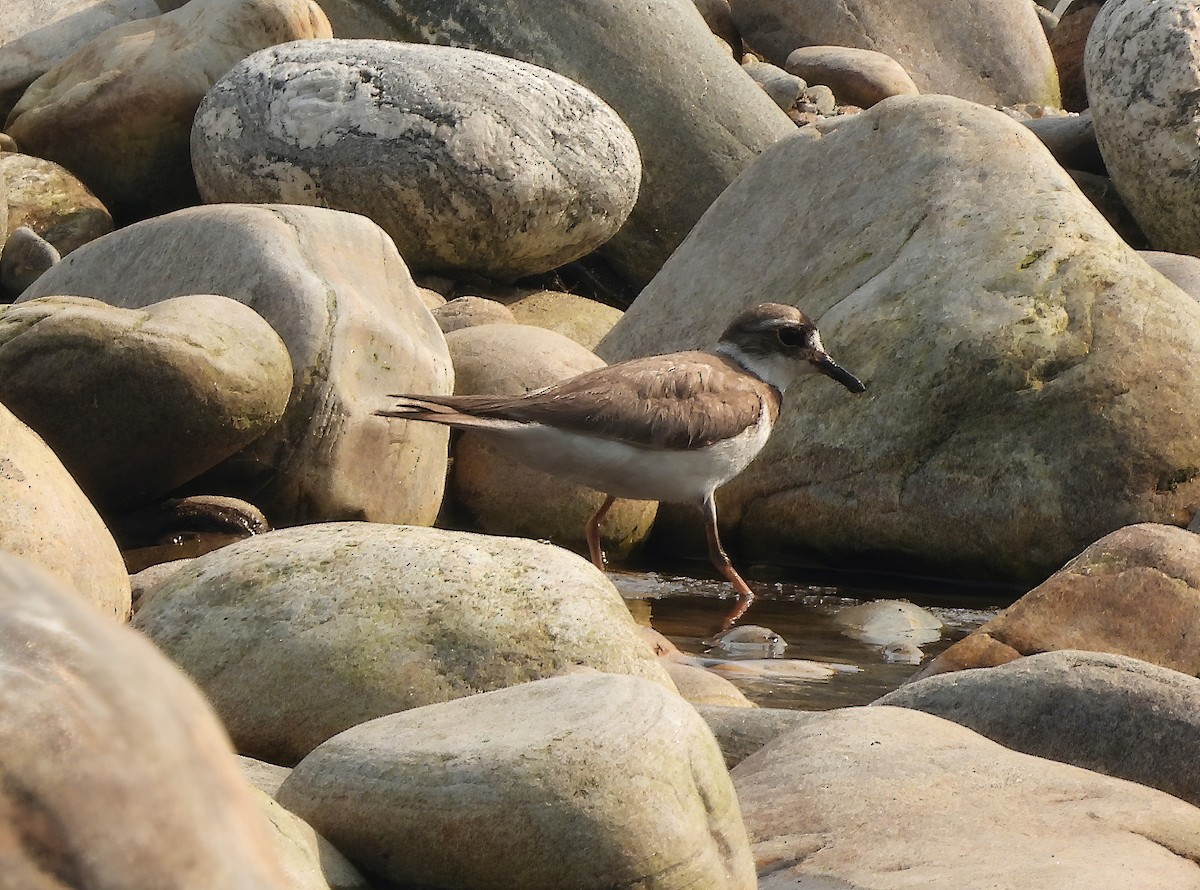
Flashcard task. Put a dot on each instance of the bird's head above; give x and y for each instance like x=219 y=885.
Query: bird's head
x=778 y=343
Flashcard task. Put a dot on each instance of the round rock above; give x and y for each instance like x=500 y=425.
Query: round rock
x=588 y=781
x=298 y=634
x=138 y=401
x=859 y=77
x=471 y=162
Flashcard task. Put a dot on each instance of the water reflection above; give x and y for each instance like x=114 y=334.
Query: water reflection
x=690 y=611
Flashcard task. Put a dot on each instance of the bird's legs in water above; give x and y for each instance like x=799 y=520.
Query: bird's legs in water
x=592 y=531
x=720 y=559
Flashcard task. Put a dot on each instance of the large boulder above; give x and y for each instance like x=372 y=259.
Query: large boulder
x=298 y=634
x=138 y=401
x=491 y=492
x=335 y=289
x=473 y=163
x=587 y=781
x=989 y=51
x=118 y=112
x=1135 y=592
x=1107 y=713
x=116 y=772
x=1143 y=78
x=697 y=118
x=892 y=798
x=1021 y=400
x=47 y=520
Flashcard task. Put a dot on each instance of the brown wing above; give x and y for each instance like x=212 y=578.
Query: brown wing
x=666 y=401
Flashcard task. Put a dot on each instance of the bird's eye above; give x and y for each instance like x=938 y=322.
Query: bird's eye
x=793 y=337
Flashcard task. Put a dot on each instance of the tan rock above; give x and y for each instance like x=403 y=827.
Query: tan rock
x=584 y=321
x=699 y=686
x=859 y=77
x=48 y=521
x=1135 y=592
x=118 y=112
x=117 y=772
x=1067 y=43
x=942 y=53
x=308 y=860
x=469 y=311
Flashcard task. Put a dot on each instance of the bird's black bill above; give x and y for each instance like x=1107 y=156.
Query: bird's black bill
x=830 y=368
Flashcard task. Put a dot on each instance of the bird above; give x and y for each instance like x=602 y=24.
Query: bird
x=671 y=428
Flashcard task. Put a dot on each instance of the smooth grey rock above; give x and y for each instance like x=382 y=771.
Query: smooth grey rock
x=583 y=781
x=137 y=402
x=1071 y=139
x=942 y=53
x=882 y=797
x=334 y=288
x=741 y=731
x=117 y=772
x=697 y=118
x=783 y=88
x=25 y=256
x=1143 y=77
x=473 y=163
x=298 y=634
x=1107 y=713
x=987 y=439
x=48 y=521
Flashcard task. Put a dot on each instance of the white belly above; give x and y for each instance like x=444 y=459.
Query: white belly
x=631 y=471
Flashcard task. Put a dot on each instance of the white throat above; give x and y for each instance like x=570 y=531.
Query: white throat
x=776 y=369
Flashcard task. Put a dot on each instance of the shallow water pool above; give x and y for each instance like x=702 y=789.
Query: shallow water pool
x=689 y=612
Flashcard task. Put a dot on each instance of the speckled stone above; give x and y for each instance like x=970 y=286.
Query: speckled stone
x=471 y=162
x=1143 y=73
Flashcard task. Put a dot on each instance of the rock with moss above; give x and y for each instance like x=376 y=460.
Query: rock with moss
x=587 y=781
x=48 y=198
x=137 y=402
x=334 y=288
x=1022 y=401
x=584 y=321
x=298 y=634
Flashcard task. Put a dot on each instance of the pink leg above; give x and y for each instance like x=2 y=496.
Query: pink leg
x=720 y=559
x=592 y=530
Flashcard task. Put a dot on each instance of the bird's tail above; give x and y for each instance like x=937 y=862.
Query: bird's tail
x=446 y=410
